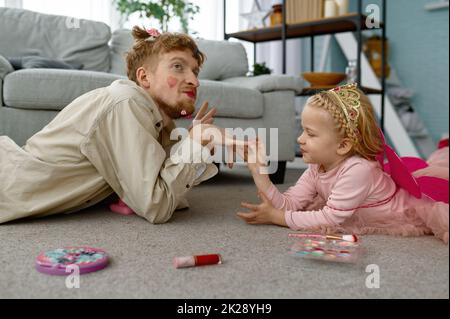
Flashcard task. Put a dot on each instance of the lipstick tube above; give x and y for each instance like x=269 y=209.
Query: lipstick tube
x=193 y=261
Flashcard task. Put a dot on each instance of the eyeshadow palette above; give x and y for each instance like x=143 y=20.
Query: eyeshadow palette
x=327 y=250
x=57 y=261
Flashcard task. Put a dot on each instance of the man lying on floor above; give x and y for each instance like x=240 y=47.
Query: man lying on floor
x=116 y=139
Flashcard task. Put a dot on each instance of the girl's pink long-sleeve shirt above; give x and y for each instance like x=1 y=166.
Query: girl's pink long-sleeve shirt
x=357 y=195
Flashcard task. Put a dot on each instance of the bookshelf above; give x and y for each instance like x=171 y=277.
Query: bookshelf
x=352 y=22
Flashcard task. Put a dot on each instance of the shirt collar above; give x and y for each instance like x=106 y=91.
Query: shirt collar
x=158 y=122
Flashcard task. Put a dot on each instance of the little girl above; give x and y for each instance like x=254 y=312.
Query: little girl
x=344 y=188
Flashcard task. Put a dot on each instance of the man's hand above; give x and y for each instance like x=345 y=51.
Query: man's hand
x=204 y=117
x=264 y=213
x=210 y=135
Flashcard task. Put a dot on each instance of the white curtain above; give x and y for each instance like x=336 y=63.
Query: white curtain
x=207 y=24
x=11 y=3
x=98 y=10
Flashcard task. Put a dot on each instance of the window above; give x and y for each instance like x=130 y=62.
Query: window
x=207 y=24
x=98 y=10
x=11 y=3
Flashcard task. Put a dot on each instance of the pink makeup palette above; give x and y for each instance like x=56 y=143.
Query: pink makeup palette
x=57 y=261
x=327 y=250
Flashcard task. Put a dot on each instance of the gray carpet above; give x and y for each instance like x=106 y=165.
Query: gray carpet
x=256 y=263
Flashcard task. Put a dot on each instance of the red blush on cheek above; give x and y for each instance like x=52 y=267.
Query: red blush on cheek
x=171 y=81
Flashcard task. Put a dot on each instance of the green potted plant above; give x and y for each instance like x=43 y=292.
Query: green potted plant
x=260 y=69
x=161 y=10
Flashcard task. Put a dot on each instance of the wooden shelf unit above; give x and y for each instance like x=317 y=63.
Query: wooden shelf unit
x=352 y=22
x=332 y=25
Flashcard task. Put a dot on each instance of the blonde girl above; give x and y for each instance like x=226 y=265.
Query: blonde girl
x=344 y=188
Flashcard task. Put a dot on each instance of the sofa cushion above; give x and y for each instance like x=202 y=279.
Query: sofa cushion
x=121 y=43
x=240 y=102
x=37 y=62
x=28 y=33
x=224 y=59
x=269 y=83
x=50 y=89
x=53 y=89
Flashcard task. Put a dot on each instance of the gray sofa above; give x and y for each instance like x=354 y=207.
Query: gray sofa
x=30 y=98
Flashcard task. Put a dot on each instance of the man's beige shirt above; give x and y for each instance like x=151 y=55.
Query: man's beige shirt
x=108 y=140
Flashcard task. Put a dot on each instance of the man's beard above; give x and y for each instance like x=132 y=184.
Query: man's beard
x=174 y=111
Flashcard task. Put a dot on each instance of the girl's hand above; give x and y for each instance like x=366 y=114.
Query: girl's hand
x=254 y=154
x=264 y=213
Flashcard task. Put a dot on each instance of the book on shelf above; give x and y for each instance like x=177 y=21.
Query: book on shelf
x=289 y=10
x=298 y=11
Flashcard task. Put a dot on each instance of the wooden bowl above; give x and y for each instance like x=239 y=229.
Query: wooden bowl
x=324 y=79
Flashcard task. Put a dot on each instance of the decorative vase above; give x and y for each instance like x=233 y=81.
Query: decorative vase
x=276 y=17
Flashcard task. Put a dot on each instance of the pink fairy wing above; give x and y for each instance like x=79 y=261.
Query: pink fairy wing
x=434 y=187
x=412 y=164
x=401 y=170
x=443 y=143
x=400 y=173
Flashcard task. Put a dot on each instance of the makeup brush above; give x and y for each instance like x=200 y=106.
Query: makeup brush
x=350 y=238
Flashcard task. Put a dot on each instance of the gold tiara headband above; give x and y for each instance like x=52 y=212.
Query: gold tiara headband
x=348 y=98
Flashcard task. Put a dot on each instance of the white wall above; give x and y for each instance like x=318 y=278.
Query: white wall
x=98 y=10
x=11 y=3
x=208 y=23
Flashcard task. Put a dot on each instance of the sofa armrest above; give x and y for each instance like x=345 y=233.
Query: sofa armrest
x=1 y=93
x=5 y=67
x=269 y=83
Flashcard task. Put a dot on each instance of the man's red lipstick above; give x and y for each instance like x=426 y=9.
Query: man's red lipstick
x=191 y=94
